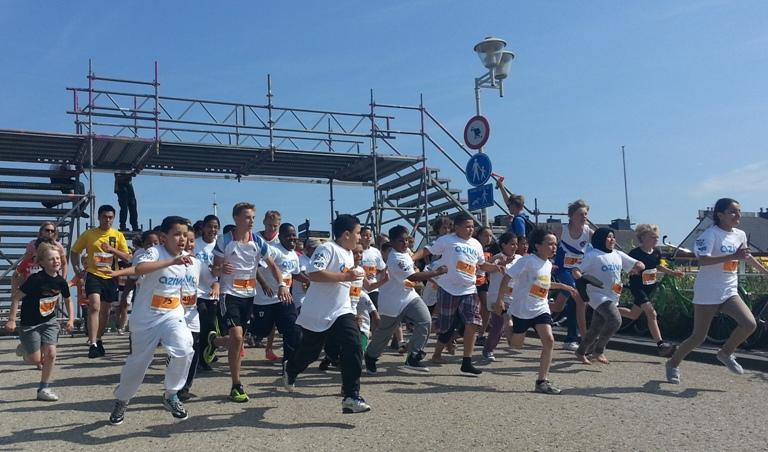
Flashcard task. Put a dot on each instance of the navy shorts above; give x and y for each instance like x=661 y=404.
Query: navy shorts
x=520 y=326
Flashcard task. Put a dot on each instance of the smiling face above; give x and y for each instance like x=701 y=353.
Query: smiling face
x=510 y=247
x=357 y=254
x=579 y=217
x=210 y=231
x=366 y=236
x=50 y=261
x=730 y=217
x=288 y=238
x=189 y=247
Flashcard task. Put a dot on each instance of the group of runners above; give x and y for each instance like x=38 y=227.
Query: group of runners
x=196 y=291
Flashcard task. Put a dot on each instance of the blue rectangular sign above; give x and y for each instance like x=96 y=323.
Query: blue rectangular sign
x=480 y=197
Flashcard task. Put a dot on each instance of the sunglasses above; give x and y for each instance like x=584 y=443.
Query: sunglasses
x=49 y=230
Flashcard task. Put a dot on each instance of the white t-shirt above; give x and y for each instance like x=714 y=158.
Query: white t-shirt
x=462 y=258
x=245 y=258
x=372 y=264
x=494 y=283
x=716 y=283
x=288 y=263
x=189 y=295
x=398 y=291
x=204 y=254
x=364 y=308
x=298 y=291
x=135 y=260
x=531 y=277
x=429 y=294
x=158 y=298
x=327 y=301
x=606 y=267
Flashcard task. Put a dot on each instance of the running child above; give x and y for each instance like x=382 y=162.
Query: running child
x=191 y=315
x=158 y=318
x=507 y=257
x=719 y=249
x=644 y=285
x=207 y=288
x=605 y=264
x=529 y=307
x=39 y=330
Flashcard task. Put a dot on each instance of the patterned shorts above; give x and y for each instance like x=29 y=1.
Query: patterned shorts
x=448 y=306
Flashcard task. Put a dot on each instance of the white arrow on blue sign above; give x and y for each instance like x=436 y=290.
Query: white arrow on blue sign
x=478 y=169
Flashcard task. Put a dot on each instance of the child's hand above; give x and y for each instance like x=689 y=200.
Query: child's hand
x=10 y=326
x=106 y=247
x=678 y=273
x=70 y=325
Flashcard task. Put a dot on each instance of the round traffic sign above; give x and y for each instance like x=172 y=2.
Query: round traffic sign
x=476 y=132
x=478 y=169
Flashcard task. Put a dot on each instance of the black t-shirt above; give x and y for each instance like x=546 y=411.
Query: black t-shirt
x=651 y=262
x=42 y=294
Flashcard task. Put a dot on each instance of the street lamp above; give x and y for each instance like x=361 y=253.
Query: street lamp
x=498 y=62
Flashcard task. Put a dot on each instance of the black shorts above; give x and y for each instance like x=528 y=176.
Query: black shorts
x=643 y=295
x=105 y=288
x=374 y=296
x=236 y=310
x=265 y=317
x=483 y=287
x=520 y=326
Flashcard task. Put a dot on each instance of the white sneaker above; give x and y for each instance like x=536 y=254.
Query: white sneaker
x=571 y=346
x=47 y=395
x=354 y=405
x=730 y=362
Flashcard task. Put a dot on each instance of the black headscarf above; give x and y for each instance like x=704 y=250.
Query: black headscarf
x=599 y=238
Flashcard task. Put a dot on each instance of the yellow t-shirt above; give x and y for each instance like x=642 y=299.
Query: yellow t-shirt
x=98 y=259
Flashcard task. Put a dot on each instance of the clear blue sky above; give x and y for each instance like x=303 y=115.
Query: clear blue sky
x=681 y=84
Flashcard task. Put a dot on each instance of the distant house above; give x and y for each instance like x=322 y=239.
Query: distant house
x=755 y=224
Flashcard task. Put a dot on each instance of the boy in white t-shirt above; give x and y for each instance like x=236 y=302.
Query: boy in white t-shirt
x=398 y=302
x=327 y=312
x=463 y=256
x=158 y=318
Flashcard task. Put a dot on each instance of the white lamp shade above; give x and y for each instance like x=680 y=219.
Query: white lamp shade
x=490 y=51
x=502 y=69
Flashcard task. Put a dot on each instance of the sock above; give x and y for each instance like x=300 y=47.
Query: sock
x=167 y=394
x=466 y=361
x=540 y=381
x=43 y=385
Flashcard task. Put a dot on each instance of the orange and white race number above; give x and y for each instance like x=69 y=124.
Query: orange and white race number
x=165 y=302
x=189 y=300
x=617 y=288
x=48 y=305
x=538 y=292
x=464 y=267
x=244 y=283
x=649 y=277
x=731 y=266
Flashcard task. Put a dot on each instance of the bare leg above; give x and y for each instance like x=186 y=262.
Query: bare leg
x=470 y=331
x=547 y=345
x=735 y=308
x=48 y=352
x=652 y=319
x=235 y=344
x=94 y=307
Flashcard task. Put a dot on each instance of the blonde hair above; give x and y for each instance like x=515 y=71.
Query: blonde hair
x=272 y=215
x=43 y=249
x=576 y=205
x=643 y=229
x=517 y=201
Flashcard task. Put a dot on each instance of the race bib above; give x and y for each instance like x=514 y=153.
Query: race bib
x=649 y=277
x=355 y=291
x=370 y=271
x=189 y=300
x=466 y=268
x=102 y=260
x=508 y=291
x=164 y=302
x=244 y=282
x=538 y=292
x=409 y=284
x=617 y=288
x=731 y=266
x=48 y=305
x=288 y=280
x=571 y=260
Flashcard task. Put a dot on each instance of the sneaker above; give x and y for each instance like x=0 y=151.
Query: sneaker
x=21 y=352
x=237 y=394
x=47 y=395
x=354 y=404
x=469 y=369
x=210 y=348
x=289 y=383
x=480 y=341
x=93 y=351
x=324 y=364
x=270 y=355
x=545 y=387
x=184 y=394
x=100 y=348
x=413 y=362
x=118 y=412
x=571 y=346
x=730 y=362
x=666 y=349
x=402 y=349
x=370 y=364
x=174 y=405
x=489 y=356
x=673 y=373
x=120 y=332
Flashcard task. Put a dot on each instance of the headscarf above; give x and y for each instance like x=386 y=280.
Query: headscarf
x=599 y=238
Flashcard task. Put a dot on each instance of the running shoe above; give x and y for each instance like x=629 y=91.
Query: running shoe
x=354 y=404
x=288 y=383
x=468 y=369
x=324 y=364
x=730 y=362
x=174 y=405
x=666 y=349
x=118 y=412
x=546 y=387
x=93 y=351
x=47 y=395
x=270 y=355
x=413 y=362
x=120 y=331
x=370 y=364
x=100 y=348
x=673 y=373
x=237 y=394
x=571 y=346
x=489 y=356
x=21 y=352
x=210 y=348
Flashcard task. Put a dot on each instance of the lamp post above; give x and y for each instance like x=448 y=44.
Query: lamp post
x=497 y=61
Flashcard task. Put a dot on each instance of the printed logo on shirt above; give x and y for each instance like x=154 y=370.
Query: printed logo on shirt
x=404 y=266
x=466 y=250
x=320 y=259
x=728 y=249
x=287 y=266
x=611 y=268
x=701 y=245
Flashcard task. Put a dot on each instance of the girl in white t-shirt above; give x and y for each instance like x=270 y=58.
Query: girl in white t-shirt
x=719 y=249
x=529 y=307
x=605 y=264
x=507 y=257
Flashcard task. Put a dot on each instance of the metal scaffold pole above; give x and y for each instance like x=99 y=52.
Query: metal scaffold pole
x=91 y=197
x=376 y=206
x=425 y=176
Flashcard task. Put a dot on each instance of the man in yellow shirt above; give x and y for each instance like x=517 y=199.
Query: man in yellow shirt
x=101 y=244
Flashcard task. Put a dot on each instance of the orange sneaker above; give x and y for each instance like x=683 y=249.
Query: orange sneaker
x=271 y=355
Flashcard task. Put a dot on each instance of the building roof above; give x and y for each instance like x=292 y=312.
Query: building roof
x=754 y=224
